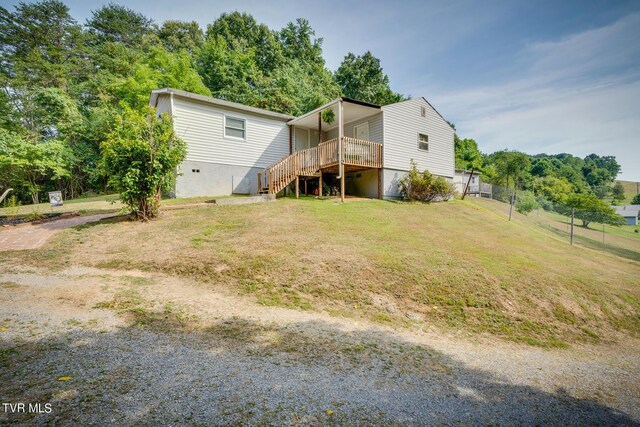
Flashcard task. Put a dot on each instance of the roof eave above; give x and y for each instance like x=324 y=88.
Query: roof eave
x=216 y=101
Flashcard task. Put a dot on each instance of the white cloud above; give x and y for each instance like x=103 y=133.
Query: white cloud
x=580 y=95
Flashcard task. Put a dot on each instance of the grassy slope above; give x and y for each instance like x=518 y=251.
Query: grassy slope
x=458 y=265
x=630 y=190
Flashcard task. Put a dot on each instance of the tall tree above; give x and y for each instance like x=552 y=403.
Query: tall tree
x=180 y=35
x=40 y=44
x=588 y=208
x=242 y=33
x=362 y=78
x=512 y=167
x=118 y=24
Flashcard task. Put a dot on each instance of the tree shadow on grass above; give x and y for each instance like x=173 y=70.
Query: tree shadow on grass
x=159 y=370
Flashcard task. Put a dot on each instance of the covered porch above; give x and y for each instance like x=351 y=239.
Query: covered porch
x=342 y=139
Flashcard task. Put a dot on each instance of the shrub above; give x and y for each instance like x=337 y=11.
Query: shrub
x=526 y=203
x=424 y=186
x=141 y=156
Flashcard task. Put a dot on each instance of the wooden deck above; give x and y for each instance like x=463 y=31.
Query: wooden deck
x=357 y=154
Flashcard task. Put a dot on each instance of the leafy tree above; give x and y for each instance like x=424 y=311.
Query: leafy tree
x=156 y=69
x=362 y=78
x=636 y=200
x=40 y=44
x=141 y=156
x=552 y=189
x=179 y=35
x=118 y=24
x=28 y=166
x=244 y=62
x=618 y=192
x=605 y=162
x=588 y=208
x=542 y=167
x=512 y=167
x=241 y=32
x=230 y=73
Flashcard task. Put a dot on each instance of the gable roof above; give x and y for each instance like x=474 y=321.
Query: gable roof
x=627 y=210
x=428 y=103
x=216 y=101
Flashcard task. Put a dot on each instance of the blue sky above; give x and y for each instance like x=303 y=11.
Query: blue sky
x=537 y=76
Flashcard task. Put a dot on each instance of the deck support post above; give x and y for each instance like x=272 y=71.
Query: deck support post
x=320 y=184
x=340 y=149
x=306 y=192
x=297 y=187
x=379 y=184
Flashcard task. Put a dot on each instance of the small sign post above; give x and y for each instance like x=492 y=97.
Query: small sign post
x=55 y=198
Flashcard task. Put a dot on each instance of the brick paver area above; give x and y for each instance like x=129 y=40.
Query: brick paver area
x=32 y=236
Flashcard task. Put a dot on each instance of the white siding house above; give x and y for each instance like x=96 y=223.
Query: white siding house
x=629 y=213
x=414 y=130
x=228 y=144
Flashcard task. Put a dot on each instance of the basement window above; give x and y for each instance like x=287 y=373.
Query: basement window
x=423 y=142
x=235 y=128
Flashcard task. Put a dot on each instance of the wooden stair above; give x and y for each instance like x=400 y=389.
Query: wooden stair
x=309 y=162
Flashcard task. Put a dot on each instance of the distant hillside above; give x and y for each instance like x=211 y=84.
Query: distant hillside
x=630 y=190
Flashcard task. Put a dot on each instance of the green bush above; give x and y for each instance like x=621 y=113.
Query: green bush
x=141 y=156
x=424 y=186
x=526 y=203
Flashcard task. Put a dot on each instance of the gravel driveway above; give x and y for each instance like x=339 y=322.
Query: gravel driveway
x=248 y=364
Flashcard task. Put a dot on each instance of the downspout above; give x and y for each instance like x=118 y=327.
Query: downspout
x=340 y=135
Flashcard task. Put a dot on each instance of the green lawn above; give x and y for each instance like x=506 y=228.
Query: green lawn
x=90 y=205
x=458 y=265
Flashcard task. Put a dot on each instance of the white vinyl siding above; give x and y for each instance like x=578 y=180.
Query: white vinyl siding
x=163 y=104
x=375 y=129
x=403 y=123
x=202 y=127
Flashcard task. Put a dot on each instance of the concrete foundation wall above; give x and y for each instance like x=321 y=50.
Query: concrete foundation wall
x=211 y=179
x=391 y=180
x=390 y=183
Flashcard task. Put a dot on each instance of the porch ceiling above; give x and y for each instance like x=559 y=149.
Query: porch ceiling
x=351 y=109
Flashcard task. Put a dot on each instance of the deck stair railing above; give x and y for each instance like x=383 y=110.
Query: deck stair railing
x=308 y=162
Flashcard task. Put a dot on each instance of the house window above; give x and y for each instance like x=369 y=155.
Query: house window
x=235 y=128
x=423 y=111
x=423 y=142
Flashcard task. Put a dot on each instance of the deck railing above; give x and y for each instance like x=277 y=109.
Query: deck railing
x=308 y=162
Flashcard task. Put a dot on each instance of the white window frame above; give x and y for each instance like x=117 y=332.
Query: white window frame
x=224 y=130
x=420 y=141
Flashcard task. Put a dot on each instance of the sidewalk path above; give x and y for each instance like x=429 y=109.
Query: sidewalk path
x=32 y=236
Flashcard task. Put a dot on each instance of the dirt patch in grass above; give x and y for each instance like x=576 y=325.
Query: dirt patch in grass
x=454 y=265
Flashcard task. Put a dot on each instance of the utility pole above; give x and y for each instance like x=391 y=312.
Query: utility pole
x=573 y=212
